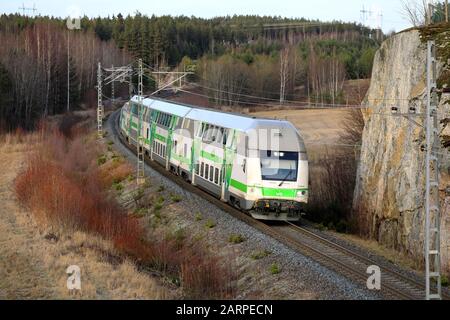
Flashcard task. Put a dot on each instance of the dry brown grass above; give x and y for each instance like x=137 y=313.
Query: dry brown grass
x=32 y=267
x=66 y=189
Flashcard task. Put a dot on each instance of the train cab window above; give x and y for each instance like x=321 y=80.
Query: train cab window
x=279 y=166
x=216 y=177
x=205 y=132
x=202 y=170
x=206 y=172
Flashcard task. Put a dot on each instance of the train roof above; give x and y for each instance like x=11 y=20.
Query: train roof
x=165 y=106
x=222 y=119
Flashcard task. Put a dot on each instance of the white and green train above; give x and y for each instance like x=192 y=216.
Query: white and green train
x=257 y=165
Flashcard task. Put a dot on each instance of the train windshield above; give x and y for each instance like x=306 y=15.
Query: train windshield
x=279 y=166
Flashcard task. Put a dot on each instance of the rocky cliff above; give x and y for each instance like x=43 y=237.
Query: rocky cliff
x=389 y=194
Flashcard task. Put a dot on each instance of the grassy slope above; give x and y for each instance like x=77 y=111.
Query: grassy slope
x=32 y=267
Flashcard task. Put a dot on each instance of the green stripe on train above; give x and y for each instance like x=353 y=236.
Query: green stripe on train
x=283 y=193
x=181 y=159
x=211 y=157
x=268 y=192
x=238 y=185
x=160 y=138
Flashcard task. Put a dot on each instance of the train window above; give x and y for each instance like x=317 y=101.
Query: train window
x=185 y=150
x=148 y=133
x=205 y=131
x=215 y=134
x=230 y=139
x=164 y=151
x=202 y=170
x=174 y=146
x=197 y=168
x=216 y=177
x=206 y=172
x=211 y=174
x=134 y=108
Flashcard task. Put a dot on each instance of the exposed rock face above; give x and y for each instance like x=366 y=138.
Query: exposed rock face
x=390 y=188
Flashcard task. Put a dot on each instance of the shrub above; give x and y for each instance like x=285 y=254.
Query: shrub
x=236 y=239
x=342 y=226
x=260 y=254
x=101 y=160
x=444 y=280
x=198 y=216
x=118 y=187
x=176 y=198
x=210 y=224
x=274 y=268
x=157 y=207
x=161 y=188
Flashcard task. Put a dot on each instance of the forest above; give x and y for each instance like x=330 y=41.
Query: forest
x=237 y=60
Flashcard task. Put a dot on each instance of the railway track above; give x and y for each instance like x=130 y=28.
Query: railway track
x=341 y=260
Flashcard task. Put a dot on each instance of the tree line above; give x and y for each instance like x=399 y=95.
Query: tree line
x=36 y=58
x=231 y=55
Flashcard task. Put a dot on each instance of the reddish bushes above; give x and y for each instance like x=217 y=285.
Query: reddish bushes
x=64 y=187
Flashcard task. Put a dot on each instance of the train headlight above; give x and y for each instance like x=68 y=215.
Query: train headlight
x=301 y=194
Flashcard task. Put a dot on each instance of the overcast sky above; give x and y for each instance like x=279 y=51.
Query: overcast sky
x=345 y=10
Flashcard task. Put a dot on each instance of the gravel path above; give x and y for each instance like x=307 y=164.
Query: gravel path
x=301 y=272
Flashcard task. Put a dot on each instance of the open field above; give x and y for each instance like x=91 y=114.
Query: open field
x=320 y=128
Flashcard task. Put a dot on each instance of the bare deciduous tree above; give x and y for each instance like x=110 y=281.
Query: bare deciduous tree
x=416 y=11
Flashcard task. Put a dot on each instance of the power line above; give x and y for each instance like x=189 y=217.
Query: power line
x=299 y=104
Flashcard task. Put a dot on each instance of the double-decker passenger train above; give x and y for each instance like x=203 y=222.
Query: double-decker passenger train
x=257 y=165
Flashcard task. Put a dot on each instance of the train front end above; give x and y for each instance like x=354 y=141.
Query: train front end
x=278 y=174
